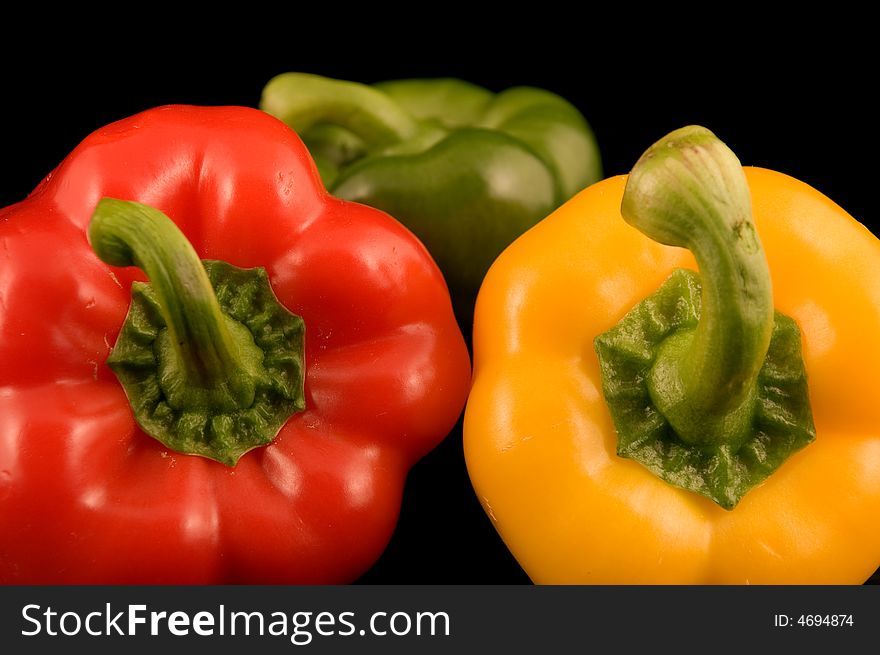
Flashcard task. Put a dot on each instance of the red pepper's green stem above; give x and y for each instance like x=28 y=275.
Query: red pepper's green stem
x=302 y=100
x=689 y=190
x=208 y=362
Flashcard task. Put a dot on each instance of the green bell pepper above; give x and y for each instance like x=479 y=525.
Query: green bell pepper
x=466 y=170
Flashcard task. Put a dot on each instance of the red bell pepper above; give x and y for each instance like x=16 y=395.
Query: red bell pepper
x=86 y=495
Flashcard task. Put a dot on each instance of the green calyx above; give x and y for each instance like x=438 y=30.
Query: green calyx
x=704 y=380
x=465 y=169
x=211 y=362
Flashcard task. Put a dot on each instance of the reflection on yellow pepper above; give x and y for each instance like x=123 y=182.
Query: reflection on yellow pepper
x=541 y=444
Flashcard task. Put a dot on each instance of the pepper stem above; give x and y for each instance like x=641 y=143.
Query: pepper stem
x=302 y=100
x=689 y=190
x=207 y=358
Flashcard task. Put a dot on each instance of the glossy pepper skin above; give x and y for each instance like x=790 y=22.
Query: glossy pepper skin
x=541 y=446
x=86 y=496
x=465 y=169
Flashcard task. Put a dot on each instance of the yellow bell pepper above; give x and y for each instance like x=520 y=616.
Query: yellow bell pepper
x=541 y=439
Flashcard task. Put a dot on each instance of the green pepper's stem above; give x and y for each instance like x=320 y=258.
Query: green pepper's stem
x=208 y=367
x=302 y=100
x=689 y=190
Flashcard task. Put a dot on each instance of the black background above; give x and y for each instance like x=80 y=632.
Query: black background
x=802 y=106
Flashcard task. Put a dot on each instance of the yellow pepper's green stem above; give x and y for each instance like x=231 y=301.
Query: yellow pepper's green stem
x=704 y=380
x=689 y=190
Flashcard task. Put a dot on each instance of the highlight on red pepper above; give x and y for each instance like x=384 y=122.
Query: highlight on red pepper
x=659 y=372
x=467 y=170
x=212 y=370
